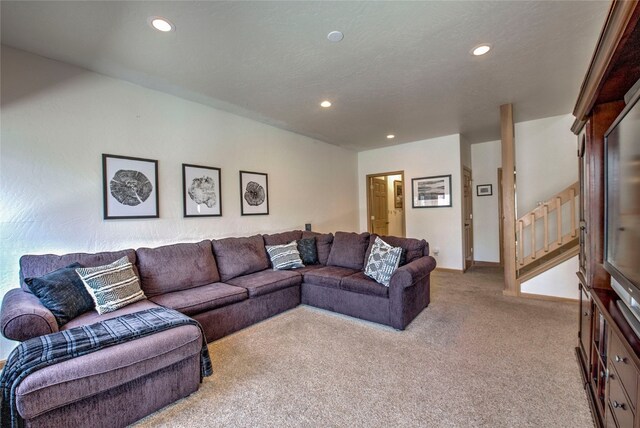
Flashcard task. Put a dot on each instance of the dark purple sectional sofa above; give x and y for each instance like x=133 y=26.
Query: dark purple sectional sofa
x=225 y=284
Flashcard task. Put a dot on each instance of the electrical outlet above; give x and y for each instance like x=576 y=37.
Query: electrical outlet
x=307 y=226
x=436 y=251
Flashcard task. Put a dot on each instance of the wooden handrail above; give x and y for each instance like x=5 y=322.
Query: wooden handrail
x=526 y=226
x=553 y=203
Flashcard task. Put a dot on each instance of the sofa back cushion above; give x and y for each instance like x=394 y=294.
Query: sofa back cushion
x=282 y=238
x=323 y=244
x=240 y=256
x=176 y=267
x=414 y=248
x=32 y=265
x=348 y=250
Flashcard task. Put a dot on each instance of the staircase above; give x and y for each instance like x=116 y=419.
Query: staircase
x=547 y=235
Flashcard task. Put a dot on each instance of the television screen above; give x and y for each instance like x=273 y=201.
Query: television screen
x=622 y=258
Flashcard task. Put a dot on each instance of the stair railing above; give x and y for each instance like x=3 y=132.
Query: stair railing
x=541 y=216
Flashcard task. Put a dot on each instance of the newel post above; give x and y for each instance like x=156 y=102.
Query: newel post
x=511 y=286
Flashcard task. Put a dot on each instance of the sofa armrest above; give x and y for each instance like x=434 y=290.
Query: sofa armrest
x=23 y=317
x=409 y=291
x=411 y=273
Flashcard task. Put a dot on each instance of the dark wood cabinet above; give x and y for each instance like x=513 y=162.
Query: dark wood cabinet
x=598 y=370
x=608 y=350
x=584 y=325
x=583 y=168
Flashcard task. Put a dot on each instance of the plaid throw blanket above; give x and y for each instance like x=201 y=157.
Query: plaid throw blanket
x=50 y=349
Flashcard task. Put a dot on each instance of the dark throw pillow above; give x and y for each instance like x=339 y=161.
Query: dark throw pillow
x=403 y=257
x=308 y=251
x=62 y=292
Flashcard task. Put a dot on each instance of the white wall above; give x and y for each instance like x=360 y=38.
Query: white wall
x=57 y=120
x=441 y=227
x=546 y=159
x=395 y=214
x=546 y=163
x=559 y=281
x=486 y=158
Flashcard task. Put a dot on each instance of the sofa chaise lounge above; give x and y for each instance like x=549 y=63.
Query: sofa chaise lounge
x=226 y=285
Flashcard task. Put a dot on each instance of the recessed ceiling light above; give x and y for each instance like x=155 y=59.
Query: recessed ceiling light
x=335 y=36
x=161 y=24
x=481 y=49
x=325 y=104
x=391 y=136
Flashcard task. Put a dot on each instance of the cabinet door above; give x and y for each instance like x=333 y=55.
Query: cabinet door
x=584 y=332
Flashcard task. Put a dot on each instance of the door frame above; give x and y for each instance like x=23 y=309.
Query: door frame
x=404 y=199
x=464 y=240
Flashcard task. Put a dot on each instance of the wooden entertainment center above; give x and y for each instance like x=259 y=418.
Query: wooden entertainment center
x=608 y=350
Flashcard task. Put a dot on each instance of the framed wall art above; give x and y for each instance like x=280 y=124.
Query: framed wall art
x=201 y=191
x=254 y=193
x=130 y=187
x=484 y=190
x=431 y=192
x=397 y=193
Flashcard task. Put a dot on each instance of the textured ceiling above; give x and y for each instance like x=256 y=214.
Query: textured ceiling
x=402 y=68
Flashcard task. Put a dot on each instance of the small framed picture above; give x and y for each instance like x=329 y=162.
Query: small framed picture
x=129 y=187
x=397 y=193
x=431 y=192
x=201 y=191
x=254 y=193
x=484 y=190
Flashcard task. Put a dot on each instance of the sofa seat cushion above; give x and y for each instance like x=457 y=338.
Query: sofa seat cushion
x=176 y=267
x=240 y=256
x=328 y=276
x=85 y=376
x=92 y=316
x=308 y=268
x=267 y=281
x=200 y=299
x=361 y=283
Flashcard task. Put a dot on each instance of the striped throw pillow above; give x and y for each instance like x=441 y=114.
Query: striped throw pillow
x=112 y=286
x=285 y=256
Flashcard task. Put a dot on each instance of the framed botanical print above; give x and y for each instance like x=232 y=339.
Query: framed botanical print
x=201 y=187
x=129 y=187
x=254 y=193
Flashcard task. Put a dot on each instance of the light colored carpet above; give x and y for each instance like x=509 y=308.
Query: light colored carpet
x=473 y=358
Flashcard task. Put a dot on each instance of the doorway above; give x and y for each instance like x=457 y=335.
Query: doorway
x=467 y=217
x=386 y=203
